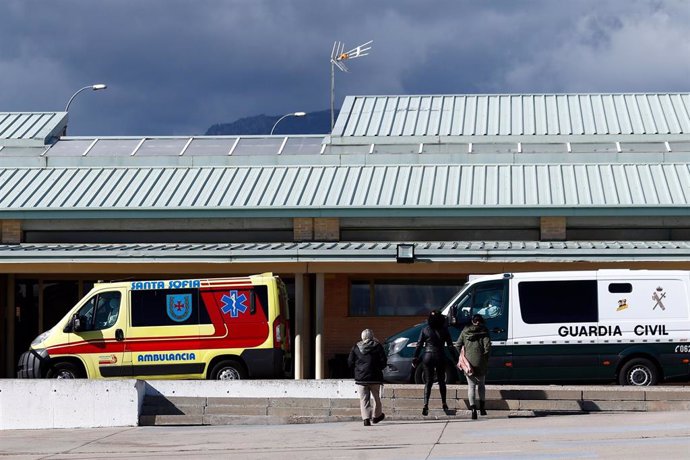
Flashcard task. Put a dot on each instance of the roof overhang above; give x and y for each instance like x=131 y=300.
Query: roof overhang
x=350 y=252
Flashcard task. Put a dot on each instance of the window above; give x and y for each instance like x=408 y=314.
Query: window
x=620 y=288
x=399 y=297
x=168 y=307
x=100 y=312
x=485 y=299
x=543 y=302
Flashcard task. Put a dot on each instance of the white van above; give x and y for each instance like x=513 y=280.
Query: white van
x=629 y=326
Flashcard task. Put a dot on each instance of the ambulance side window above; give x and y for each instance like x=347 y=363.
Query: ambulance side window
x=167 y=307
x=259 y=294
x=100 y=311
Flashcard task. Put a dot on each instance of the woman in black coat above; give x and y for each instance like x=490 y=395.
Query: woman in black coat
x=368 y=359
x=432 y=341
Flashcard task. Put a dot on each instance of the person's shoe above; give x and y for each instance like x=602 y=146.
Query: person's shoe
x=425 y=410
x=445 y=407
x=474 y=412
x=482 y=410
x=367 y=422
x=379 y=418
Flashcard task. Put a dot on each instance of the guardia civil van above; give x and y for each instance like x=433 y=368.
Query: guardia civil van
x=629 y=326
x=225 y=329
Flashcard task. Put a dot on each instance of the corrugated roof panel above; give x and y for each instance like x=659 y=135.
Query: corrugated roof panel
x=398 y=195
x=681 y=109
x=409 y=187
x=435 y=111
x=30 y=128
x=515 y=114
x=398 y=121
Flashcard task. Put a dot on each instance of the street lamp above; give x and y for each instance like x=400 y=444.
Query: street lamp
x=96 y=87
x=295 y=114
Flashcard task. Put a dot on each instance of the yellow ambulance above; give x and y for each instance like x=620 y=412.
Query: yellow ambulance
x=224 y=329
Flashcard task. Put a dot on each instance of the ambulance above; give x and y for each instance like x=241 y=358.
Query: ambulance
x=625 y=326
x=219 y=329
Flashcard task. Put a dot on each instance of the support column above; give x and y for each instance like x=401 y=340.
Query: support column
x=552 y=228
x=319 y=328
x=9 y=337
x=11 y=231
x=298 y=351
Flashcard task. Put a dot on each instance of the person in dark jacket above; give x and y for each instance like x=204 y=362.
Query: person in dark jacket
x=431 y=345
x=477 y=342
x=368 y=359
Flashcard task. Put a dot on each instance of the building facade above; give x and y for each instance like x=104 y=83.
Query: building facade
x=472 y=183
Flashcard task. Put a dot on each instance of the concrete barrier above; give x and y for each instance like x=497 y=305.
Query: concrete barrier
x=34 y=404
x=332 y=389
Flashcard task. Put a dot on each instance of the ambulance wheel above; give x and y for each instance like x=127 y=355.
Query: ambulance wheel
x=64 y=371
x=639 y=372
x=228 y=370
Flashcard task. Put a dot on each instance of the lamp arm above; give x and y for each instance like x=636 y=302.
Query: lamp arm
x=279 y=120
x=75 y=95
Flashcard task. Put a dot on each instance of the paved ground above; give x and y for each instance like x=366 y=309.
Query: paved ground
x=650 y=436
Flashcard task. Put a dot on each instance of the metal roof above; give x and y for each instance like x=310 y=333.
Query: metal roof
x=347 y=191
x=30 y=128
x=514 y=115
x=454 y=251
x=310 y=150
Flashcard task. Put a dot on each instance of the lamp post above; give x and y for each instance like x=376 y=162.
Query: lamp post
x=95 y=87
x=295 y=114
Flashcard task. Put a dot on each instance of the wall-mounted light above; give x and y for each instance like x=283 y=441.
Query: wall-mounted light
x=405 y=253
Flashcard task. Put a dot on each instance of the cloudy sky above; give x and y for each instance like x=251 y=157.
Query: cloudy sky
x=175 y=67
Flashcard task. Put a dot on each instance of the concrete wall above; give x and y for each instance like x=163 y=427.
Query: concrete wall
x=333 y=389
x=34 y=404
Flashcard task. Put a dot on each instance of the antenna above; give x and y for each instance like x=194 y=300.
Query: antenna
x=338 y=56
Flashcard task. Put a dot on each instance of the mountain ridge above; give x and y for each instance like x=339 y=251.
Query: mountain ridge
x=318 y=122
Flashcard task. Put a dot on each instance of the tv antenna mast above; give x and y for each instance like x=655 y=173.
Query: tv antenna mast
x=338 y=58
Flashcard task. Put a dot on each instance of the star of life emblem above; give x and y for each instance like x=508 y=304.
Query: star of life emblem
x=234 y=304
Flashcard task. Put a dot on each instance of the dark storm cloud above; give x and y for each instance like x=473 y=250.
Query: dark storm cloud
x=176 y=67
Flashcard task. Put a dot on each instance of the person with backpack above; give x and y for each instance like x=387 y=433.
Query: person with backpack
x=474 y=344
x=368 y=359
x=431 y=347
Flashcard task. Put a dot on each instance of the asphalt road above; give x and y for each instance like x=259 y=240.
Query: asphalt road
x=649 y=435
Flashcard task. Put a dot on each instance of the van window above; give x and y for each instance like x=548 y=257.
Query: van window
x=261 y=292
x=563 y=301
x=485 y=299
x=620 y=288
x=168 y=307
x=100 y=311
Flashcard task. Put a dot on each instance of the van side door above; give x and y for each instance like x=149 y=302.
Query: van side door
x=490 y=300
x=163 y=337
x=555 y=330
x=95 y=334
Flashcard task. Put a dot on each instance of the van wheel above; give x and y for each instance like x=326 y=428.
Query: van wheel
x=451 y=377
x=419 y=374
x=639 y=372
x=228 y=370
x=64 y=371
